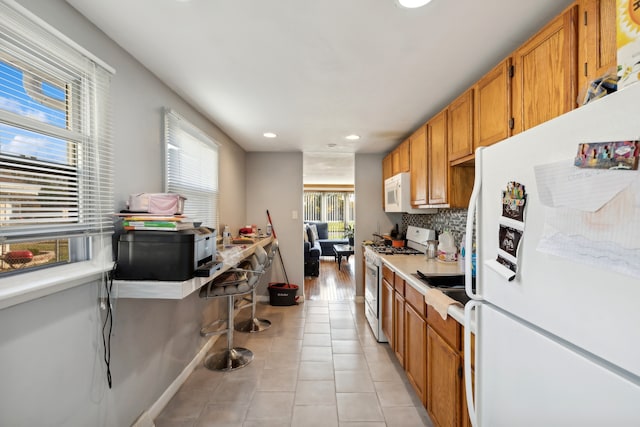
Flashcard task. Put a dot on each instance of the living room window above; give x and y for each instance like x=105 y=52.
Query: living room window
x=336 y=208
x=55 y=147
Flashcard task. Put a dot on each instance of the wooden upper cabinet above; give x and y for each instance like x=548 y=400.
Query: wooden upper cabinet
x=460 y=126
x=387 y=172
x=437 y=159
x=418 y=161
x=597 y=34
x=492 y=106
x=544 y=82
x=401 y=158
x=387 y=167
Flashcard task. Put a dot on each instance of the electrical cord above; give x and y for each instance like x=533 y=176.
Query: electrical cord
x=106 y=340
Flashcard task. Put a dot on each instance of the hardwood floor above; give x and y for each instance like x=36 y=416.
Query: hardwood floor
x=332 y=284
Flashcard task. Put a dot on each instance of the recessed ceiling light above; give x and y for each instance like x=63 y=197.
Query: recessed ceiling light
x=269 y=135
x=352 y=137
x=332 y=145
x=412 y=4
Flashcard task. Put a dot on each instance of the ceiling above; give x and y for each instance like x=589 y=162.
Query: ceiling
x=315 y=71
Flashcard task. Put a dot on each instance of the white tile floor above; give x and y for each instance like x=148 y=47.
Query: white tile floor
x=318 y=365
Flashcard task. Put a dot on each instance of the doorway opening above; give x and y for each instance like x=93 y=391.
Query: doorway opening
x=329 y=214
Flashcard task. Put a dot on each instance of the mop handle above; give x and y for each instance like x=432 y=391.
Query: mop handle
x=273 y=231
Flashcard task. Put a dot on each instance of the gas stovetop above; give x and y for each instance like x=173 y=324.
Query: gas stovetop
x=390 y=250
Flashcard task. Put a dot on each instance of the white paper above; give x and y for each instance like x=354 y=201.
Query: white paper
x=564 y=185
x=592 y=216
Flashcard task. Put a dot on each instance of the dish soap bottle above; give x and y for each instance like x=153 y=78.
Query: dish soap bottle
x=447 y=250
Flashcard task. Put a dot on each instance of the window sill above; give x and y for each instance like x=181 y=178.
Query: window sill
x=29 y=286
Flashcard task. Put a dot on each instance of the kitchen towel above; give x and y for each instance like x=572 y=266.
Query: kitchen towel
x=439 y=301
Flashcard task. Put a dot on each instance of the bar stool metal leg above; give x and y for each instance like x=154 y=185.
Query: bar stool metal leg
x=230 y=358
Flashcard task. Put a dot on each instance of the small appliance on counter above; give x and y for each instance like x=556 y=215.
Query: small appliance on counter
x=162 y=255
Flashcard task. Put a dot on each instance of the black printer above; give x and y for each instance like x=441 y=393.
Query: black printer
x=165 y=255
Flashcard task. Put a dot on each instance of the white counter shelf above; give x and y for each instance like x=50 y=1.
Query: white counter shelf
x=160 y=289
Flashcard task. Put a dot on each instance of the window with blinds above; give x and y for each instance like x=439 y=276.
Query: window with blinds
x=56 y=185
x=337 y=208
x=191 y=168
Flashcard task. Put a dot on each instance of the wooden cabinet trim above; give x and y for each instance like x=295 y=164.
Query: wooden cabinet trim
x=387 y=273
x=415 y=299
x=449 y=330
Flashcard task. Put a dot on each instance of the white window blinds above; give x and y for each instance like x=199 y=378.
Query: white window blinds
x=192 y=168
x=55 y=134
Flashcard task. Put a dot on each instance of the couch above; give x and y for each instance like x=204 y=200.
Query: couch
x=315 y=248
x=312 y=251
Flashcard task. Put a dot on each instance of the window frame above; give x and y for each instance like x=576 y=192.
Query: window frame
x=93 y=255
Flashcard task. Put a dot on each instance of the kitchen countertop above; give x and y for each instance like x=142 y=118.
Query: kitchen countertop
x=407 y=265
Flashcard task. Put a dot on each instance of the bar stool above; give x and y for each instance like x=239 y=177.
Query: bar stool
x=236 y=281
x=255 y=324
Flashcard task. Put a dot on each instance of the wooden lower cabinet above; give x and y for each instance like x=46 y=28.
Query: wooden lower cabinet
x=444 y=373
x=415 y=361
x=429 y=348
x=387 y=298
x=398 y=327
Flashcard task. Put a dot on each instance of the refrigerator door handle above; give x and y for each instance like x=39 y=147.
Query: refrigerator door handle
x=471 y=215
x=468 y=380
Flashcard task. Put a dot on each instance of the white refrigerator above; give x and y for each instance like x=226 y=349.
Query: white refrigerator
x=557 y=343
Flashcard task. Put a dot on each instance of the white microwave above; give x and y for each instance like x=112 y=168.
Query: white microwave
x=397 y=195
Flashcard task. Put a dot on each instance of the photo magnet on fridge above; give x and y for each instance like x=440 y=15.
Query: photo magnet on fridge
x=514 y=200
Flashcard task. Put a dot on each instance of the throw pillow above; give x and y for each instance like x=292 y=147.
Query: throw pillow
x=311 y=237
x=305 y=232
x=314 y=230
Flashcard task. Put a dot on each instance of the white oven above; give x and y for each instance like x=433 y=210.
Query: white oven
x=372 y=285
x=417 y=239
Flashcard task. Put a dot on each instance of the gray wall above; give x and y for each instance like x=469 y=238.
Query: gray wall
x=370 y=215
x=274 y=182
x=50 y=349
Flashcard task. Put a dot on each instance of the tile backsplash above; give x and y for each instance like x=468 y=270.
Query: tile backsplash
x=453 y=220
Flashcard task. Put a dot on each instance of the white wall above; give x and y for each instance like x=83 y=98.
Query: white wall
x=51 y=367
x=274 y=182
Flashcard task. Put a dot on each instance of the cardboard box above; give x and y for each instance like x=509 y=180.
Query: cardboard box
x=628 y=41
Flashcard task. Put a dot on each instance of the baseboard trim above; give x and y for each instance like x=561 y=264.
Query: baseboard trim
x=147 y=417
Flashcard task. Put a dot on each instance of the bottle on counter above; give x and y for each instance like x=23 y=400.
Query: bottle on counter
x=447 y=250
x=473 y=261
x=462 y=243
x=226 y=237
x=268 y=229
